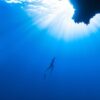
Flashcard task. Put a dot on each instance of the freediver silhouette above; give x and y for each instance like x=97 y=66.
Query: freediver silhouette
x=50 y=68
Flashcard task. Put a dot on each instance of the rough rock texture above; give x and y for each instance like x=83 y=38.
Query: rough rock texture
x=85 y=10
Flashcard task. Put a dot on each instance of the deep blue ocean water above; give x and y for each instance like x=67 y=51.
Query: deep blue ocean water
x=26 y=51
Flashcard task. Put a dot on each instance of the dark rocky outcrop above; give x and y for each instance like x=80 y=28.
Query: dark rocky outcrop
x=85 y=10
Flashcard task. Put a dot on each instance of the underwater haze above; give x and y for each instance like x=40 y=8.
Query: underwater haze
x=26 y=51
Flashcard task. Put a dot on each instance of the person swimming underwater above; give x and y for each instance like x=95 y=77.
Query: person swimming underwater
x=50 y=68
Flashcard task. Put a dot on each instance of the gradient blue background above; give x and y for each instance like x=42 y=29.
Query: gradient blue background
x=26 y=51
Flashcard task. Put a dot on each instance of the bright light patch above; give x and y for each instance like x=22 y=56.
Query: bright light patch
x=13 y=1
x=56 y=16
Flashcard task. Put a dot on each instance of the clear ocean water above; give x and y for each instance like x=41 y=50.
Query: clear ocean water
x=26 y=51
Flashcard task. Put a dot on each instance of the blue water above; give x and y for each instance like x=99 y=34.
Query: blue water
x=26 y=51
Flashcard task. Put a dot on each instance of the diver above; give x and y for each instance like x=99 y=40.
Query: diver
x=50 y=68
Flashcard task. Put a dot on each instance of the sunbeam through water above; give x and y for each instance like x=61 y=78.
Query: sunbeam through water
x=56 y=17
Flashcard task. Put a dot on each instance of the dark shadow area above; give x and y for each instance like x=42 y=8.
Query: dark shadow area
x=85 y=10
